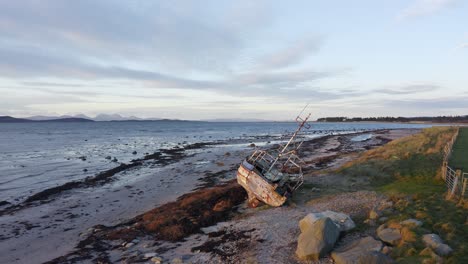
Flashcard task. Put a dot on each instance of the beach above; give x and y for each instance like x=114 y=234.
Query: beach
x=53 y=222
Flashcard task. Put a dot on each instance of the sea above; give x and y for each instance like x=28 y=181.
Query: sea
x=37 y=156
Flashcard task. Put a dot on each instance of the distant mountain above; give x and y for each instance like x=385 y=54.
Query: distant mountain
x=69 y=119
x=237 y=120
x=99 y=117
x=9 y=119
x=45 y=118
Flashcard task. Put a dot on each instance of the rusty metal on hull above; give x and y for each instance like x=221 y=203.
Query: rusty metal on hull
x=272 y=176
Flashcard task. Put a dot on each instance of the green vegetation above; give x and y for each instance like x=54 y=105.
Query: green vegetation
x=408 y=171
x=459 y=158
x=435 y=119
x=417 y=157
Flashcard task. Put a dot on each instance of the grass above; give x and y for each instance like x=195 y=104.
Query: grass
x=459 y=158
x=408 y=171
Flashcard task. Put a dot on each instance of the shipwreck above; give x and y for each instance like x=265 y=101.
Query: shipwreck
x=271 y=176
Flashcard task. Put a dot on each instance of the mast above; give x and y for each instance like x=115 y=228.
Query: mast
x=302 y=123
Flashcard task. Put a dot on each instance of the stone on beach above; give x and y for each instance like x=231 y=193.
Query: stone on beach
x=411 y=223
x=391 y=236
x=317 y=238
x=342 y=221
x=374 y=214
x=435 y=242
x=149 y=255
x=355 y=251
x=156 y=260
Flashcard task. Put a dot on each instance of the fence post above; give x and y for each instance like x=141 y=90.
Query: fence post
x=455 y=185
x=465 y=181
x=444 y=170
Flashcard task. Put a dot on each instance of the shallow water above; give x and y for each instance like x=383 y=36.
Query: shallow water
x=36 y=156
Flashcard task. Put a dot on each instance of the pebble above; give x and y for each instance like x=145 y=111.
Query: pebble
x=149 y=255
x=177 y=261
x=156 y=260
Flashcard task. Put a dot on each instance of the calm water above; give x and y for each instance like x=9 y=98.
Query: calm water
x=36 y=156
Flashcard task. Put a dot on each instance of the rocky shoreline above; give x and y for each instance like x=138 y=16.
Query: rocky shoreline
x=209 y=164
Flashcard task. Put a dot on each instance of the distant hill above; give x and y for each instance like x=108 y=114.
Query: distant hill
x=9 y=119
x=99 y=117
x=237 y=120
x=425 y=119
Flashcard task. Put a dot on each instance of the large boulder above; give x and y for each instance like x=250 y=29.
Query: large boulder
x=352 y=252
x=434 y=242
x=390 y=236
x=342 y=221
x=316 y=238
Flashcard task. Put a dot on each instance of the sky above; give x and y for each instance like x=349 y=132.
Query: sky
x=234 y=59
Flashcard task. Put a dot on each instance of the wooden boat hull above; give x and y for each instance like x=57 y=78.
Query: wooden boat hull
x=258 y=188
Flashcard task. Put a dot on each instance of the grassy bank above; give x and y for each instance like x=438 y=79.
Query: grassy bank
x=459 y=158
x=408 y=171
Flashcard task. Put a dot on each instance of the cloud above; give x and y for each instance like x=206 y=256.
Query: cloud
x=454 y=102
x=23 y=63
x=294 y=54
x=409 y=89
x=462 y=46
x=177 y=34
x=423 y=8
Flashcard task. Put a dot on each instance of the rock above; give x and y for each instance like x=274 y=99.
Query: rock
x=134 y=152
x=252 y=145
x=374 y=214
x=385 y=205
x=115 y=159
x=83 y=158
x=434 y=258
x=156 y=260
x=352 y=252
x=426 y=252
x=444 y=250
x=435 y=243
x=129 y=245
x=108 y=157
x=316 y=238
x=383 y=219
x=375 y=257
x=411 y=223
x=177 y=261
x=387 y=250
x=391 y=236
x=149 y=255
x=342 y=221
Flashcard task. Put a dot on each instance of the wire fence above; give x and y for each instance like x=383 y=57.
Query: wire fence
x=455 y=180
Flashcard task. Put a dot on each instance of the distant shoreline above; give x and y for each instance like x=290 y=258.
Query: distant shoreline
x=10 y=119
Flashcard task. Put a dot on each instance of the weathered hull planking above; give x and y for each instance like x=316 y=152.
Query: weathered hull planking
x=258 y=188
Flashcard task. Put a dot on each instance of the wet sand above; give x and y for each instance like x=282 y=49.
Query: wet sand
x=53 y=223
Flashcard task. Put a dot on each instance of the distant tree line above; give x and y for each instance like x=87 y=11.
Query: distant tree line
x=436 y=119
